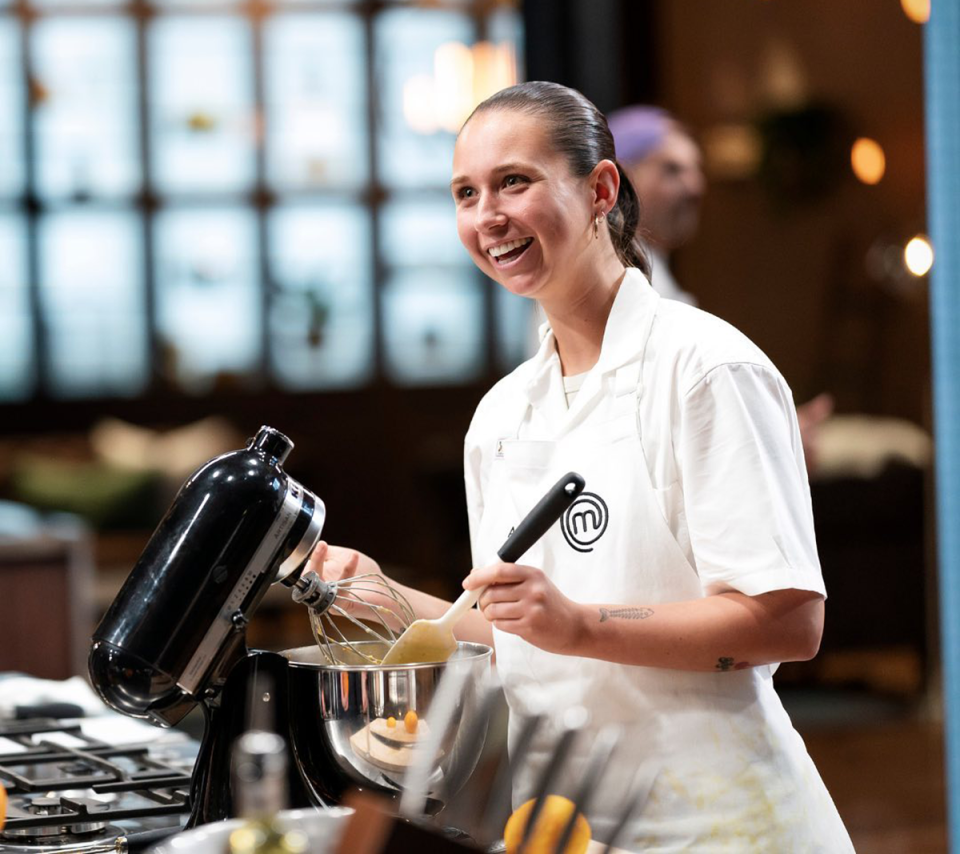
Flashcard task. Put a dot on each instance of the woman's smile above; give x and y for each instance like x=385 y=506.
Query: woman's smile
x=505 y=254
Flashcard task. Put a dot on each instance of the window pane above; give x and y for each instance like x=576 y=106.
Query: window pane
x=414 y=91
x=16 y=333
x=316 y=101
x=422 y=233
x=208 y=297
x=86 y=77
x=433 y=302
x=92 y=303
x=76 y=4
x=11 y=110
x=321 y=315
x=194 y=4
x=201 y=104
x=433 y=327
x=517 y=322
x=506 y=25
x=446 y=2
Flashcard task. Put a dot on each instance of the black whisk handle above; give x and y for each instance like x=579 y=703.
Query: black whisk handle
x=536 y=523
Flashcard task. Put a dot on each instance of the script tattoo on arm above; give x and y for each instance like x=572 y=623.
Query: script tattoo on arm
x=724 y=664
x=625 y=614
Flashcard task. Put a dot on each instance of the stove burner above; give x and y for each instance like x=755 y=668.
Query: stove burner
x=65 y=808
x=87 y=799
x=111 y=840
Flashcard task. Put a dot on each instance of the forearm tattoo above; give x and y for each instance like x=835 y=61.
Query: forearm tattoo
x=625 y=614
x=724 y=664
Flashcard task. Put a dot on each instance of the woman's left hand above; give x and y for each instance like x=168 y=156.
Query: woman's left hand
x=521 y=600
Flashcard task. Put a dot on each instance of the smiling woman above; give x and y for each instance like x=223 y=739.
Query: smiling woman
x=663 y=603
x=522 y=209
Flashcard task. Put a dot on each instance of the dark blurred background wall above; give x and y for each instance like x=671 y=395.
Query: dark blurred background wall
x=792 y=249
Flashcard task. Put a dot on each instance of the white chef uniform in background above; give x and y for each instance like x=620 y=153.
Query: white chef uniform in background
x=686 y=436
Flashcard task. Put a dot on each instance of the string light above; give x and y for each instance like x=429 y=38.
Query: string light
x=868 y=160
x=917 y=11
x=918 y=255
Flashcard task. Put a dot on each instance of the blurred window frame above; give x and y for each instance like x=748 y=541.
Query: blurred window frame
x=147 y=202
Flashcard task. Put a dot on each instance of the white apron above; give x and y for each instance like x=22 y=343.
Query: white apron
x=723 y=768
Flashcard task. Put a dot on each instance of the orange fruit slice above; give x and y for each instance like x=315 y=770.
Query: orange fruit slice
x=545 y=837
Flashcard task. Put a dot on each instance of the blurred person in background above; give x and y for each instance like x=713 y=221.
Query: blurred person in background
x=667 y=617
x=665 y=165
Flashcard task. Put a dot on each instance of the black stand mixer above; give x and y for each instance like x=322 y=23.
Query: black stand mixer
x=175 y=636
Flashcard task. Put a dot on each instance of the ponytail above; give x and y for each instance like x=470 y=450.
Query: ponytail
x=623 y=221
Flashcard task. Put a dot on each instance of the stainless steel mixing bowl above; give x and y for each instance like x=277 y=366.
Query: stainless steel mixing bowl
x=341 y=730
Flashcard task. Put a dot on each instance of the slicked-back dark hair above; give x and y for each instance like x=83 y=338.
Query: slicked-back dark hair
x=578 y=130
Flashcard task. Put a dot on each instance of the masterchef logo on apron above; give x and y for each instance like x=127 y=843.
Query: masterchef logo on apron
x=585 y=521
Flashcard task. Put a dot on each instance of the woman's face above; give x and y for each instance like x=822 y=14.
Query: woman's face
x=524 y=218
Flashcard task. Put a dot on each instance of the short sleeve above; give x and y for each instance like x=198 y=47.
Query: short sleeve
x=745 y=488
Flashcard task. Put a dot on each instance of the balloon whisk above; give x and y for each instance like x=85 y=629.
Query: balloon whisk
x=368 y=603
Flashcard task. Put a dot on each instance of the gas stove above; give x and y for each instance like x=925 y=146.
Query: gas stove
x=71 y=791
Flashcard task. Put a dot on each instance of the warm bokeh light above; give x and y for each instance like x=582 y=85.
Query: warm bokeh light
x=918 y=255
x=868 y=160
x=418 y=104
x=453 y=76
x=917 y=11
x=732 y=151
x=462 y=77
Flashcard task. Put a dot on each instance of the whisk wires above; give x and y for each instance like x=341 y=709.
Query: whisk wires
x=374 y=621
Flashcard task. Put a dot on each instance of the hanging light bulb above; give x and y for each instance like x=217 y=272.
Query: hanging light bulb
x=463 y=76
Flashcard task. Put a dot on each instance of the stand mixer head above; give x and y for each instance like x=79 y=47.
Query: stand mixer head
x=177 y=626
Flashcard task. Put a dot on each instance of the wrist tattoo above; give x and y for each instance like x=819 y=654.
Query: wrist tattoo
x=625 y=613
x=724 y=664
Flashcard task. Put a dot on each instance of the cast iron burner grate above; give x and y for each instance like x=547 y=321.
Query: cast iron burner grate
x=57 y=791
x=88 y=814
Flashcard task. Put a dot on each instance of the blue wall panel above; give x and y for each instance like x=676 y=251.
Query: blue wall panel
x=942 y=59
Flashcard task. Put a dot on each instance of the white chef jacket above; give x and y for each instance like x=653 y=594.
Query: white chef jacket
x=717 y=499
